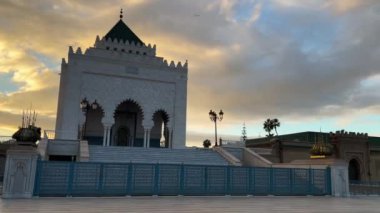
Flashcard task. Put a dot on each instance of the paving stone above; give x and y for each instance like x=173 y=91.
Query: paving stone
x=223 y=204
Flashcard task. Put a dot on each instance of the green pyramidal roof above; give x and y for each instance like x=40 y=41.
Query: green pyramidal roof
x=122 y=32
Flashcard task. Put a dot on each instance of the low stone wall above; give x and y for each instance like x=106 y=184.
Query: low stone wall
x=63 y=147
x=339 y=174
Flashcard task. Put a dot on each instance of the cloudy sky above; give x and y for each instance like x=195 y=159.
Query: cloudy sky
x=311 y=64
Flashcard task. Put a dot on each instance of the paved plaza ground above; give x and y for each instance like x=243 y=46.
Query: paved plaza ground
x=193 y=204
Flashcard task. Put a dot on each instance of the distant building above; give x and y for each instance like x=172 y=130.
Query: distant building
x=361 y=151
x=130 y=96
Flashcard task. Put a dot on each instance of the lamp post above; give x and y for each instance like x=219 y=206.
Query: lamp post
x=214 y=118
x=85 y=106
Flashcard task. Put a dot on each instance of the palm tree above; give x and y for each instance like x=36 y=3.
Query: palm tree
x=270 y=124
x=268 y=127
x=206 y=143
x=275 y=124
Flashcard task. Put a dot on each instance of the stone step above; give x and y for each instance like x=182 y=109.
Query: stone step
x=155 y=155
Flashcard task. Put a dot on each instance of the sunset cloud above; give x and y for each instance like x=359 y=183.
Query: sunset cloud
x=310 y=64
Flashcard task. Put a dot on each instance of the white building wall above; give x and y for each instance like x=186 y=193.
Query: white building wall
x=179 y=124
x=69 y=112
x=111 y=77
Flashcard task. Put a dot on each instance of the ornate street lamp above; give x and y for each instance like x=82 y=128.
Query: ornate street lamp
x=214 y=118
x=85 y=106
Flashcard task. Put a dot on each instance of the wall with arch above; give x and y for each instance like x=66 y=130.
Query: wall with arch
x=112 y=80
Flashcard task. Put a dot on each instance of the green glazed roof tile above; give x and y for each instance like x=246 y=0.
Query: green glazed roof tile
x=122 y=32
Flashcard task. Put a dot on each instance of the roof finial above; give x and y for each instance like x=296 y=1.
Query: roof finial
x=121 y=13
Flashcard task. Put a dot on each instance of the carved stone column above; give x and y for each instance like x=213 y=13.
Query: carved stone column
x=170 y=138
x=147 y=125
x=339 y=179
x=20 y=172
x=82 y=123
x=108 y=142
x=107 y=134
x=145 y=137
x=148 y=138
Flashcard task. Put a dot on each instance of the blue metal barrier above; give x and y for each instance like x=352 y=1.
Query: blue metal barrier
x=120 y=179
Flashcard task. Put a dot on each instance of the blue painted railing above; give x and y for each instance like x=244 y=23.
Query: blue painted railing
x=117 y=179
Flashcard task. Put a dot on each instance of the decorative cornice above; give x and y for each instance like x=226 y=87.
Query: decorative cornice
x=130 y=52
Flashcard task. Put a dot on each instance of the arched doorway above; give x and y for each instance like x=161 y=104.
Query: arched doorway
x=159 y=135
x=354 y=170
x=123 y=137
x=93 y=127
x=127 y=129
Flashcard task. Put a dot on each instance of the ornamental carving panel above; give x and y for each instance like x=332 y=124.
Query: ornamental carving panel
x=110 y=91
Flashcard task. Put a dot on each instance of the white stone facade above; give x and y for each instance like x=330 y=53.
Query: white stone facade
x=114 y=71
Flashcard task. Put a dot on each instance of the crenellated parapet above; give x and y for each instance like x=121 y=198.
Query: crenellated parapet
x=342 y=133
x=128 y=51
x=63 y=62
x=125 y=47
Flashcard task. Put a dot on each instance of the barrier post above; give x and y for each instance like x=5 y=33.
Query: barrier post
x=228 y=181
x=182 y=180
x=310 y=191
x=129 y=179
x=38 y=178
x=156 y=179
x=271 y=181
x=70 y=179
x=100 y=180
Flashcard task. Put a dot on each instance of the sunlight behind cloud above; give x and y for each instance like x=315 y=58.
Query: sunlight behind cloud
x=297 y=60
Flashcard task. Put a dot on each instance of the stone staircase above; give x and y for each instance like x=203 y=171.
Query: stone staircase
x=267 y=153
x=235 y=151
x=196 y=156
x=251 y=156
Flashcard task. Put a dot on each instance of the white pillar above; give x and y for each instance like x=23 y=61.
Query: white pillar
x=108 y=136
x=82 y=123
x=147 y=129
x=339 y=179
x=105 y=135
x=148 y=138
x=145 y=137
x=170 y=138
x=147 y=125
x=19 y=173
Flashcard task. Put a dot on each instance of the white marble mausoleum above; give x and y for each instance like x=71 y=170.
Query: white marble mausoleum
x=129 y=95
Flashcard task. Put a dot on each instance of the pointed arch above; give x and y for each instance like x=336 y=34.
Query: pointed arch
x=122 y=104
x=127 y=129
x=163 y=114
x=160 y=132
x=354 y=170
x=93 y=126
